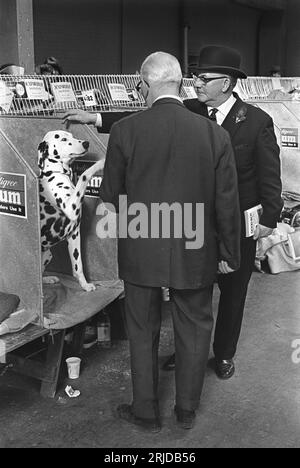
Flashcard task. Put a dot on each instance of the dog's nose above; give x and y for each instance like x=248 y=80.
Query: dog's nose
x=85 y=144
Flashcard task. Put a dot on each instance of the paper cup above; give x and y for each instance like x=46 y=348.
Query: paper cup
x=73 y=364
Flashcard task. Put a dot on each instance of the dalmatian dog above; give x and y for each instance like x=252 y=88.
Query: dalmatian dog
x=60 y=200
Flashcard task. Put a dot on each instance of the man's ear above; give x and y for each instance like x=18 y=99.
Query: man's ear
x=43 y=150
x=226 y=85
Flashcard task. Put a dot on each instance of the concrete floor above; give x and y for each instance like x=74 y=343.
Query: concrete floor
x=259 y=407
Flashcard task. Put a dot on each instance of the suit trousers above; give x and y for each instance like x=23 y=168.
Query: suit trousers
x=193 y=323
x=233 y=288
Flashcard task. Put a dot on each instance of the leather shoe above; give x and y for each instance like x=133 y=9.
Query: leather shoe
x=151 y=425
x=225 y=369
x=185 y=419
x=169 y=365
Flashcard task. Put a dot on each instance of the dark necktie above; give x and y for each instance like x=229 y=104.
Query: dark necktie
x=212 y=114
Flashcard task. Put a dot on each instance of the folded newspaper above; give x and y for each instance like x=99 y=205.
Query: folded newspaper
x=252 y=216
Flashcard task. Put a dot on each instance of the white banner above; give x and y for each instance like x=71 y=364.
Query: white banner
x=190 y=92
x=36 y=89
x=118 y=92
x=6 y=97
x=63 y=92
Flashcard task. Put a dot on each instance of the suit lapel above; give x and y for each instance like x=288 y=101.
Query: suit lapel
x=230 y=124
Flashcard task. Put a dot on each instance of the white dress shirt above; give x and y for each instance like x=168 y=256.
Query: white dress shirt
x=223 y=109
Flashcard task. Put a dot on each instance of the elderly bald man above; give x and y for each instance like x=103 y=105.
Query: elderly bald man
x=169 y=157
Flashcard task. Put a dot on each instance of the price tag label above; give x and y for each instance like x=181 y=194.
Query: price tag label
x=290 y=137
x=6 y=97
x=118 y=92
x=63 y=92
x=89 y=98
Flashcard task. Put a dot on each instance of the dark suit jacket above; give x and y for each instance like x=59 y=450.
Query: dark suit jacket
x=169 y=154
x=256 y=155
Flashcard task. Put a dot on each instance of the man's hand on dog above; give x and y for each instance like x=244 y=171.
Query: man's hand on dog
x=79 y=116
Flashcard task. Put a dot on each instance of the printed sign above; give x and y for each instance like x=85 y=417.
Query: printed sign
x=63 y=92
x=35 y=89
x=290 y=137
x=13 y=194
x=93 y=187
x=118 y=92
x=190 y=92
x=133 y=95
x=89 y=98
x=6 y=97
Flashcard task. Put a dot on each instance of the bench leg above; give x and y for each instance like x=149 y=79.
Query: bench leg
x=78 y=339
x=54 y=356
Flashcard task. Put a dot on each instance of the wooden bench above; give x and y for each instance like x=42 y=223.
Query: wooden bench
x=47 y=371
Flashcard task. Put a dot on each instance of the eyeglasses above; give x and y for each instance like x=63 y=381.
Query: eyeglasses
x=206 y=80
x=139 y=85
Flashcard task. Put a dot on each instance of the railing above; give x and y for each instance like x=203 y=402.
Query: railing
x=50 y=95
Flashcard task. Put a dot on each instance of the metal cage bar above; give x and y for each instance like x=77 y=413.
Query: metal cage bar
x=50 y=95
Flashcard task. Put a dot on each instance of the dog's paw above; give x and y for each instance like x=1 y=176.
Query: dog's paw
x=91 y=171
x=50 y=279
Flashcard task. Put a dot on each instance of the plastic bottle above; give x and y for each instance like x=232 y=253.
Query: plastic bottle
x=165 y=294
x=103 y=330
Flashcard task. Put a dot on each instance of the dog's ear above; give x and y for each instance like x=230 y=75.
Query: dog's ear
x=43 y=149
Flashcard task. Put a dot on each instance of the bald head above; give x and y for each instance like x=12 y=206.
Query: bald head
x=163 y=74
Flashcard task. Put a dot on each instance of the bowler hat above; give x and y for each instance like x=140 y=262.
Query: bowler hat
x=219 y=59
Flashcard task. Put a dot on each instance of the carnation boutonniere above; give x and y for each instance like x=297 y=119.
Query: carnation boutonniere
x=241 y=115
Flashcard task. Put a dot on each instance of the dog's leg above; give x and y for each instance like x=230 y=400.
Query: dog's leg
x=46 y=259
x=76 y=260
x=72 y=205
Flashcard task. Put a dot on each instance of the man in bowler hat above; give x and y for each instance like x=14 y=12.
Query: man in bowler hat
x=258 y=166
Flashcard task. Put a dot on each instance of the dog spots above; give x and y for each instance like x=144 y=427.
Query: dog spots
x=78 y=194
x=58 y=201
x=51 y=178
x=55 y=152
x=76 y=254
x=47 y=226
x=42 y=199
x=57 y=225
x=52 y=160
x=84 y=178
x=43 y=148
x=76 y=267
x=50 y=209
x=77 y=211
x=56 y=136
x=74 y=206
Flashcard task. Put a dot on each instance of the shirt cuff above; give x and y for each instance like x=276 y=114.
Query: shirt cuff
x=98 y=122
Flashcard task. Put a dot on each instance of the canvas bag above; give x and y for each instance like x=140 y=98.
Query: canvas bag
x=279 y=248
